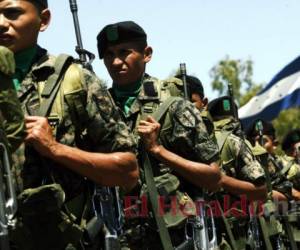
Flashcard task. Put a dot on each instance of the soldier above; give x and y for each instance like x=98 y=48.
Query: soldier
x=11 y=115
x=182 y=155
x=196 y=91
x=243 y=174
x=291 y=146
x=281 y=168
x=86 y=143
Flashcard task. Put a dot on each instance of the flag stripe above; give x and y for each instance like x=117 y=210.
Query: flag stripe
x=279 y=90
x=290 y=69
x=271 y=111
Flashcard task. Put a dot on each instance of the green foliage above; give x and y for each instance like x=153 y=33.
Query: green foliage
x=287 y=120
x=249 y=94
x=237 y=72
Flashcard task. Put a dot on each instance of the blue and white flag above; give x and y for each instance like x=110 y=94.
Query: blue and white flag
x=281 y=93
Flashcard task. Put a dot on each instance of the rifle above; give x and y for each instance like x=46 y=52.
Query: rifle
x=83 y=54
x=8 y=201
x=198 y=227
x=253 y=229
x=108 y=210
x=106 y=200
x=277 y=242
x=231 y=95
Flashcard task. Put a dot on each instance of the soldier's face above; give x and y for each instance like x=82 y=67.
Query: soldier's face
x=125 y=63
x=199 y=102
x=20 y=24
x=269 y=143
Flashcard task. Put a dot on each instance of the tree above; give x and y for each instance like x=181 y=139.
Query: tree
x=286 y=121
x=237 y=72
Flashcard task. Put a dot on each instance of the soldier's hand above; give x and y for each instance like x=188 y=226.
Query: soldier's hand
x=7 y=61
x=149 y=131
x=39 y=135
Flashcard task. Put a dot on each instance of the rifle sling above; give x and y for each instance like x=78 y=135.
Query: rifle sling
x=52 y=85
x=149 y=178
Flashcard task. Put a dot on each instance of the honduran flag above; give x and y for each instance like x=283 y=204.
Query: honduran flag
x=281 y=93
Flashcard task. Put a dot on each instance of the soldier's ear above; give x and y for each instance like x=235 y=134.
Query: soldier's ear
x=45 y=17
x=148 y=54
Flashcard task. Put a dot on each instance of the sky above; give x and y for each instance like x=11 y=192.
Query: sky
x=197 y=32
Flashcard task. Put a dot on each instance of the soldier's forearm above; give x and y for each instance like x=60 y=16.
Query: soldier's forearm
x=276 y=195
x=108 y=169
x=239 y=187
x=200 y=174
x=295 y=194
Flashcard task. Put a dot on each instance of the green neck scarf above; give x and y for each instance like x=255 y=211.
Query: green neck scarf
x=127 y=95
x=23 y=60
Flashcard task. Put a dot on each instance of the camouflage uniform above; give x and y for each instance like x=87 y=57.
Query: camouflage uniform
x=98 y=128
x=237 y=159
x=182 y=132
x=293 y=170
x=238 y=162
x=11 y=115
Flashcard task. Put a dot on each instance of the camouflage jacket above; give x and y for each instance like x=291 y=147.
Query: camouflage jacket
x=98 y=129
x=291 y=169
x=238 y=161
x=182 y=132
x=11 y=115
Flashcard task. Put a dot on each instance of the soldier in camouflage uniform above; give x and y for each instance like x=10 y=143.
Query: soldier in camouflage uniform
x=282 y=169
x=11 y=115
x=179 y=146
x=291 y=146
x=242 y=173
x=86 y=143
x=279 y=169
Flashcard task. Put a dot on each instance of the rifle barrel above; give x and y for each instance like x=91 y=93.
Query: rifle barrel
x=74 y=10
x=183 y=75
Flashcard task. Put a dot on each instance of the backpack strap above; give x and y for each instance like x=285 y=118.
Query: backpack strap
x=149 y=178
x=286 y=168
x=52 y=85
x=221 y=138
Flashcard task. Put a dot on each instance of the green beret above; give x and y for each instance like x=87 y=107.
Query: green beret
x=117 y=33
x=194 y=84
x=267 y=128
x=290 y=139
x=221 y=107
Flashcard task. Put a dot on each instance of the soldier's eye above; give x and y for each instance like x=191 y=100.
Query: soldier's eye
x=12 y=13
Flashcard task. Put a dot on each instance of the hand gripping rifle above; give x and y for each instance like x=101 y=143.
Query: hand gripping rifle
x=200 y=231
x=106 y=200
x=8 y=201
